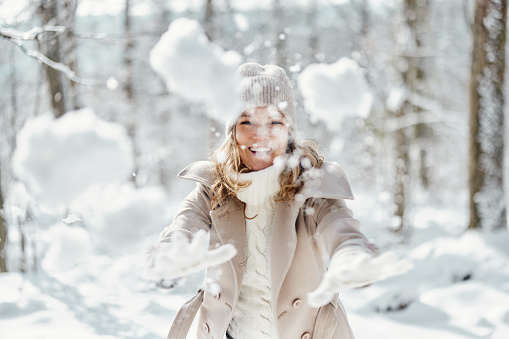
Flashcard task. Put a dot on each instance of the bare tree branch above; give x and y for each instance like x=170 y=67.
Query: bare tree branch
x=32 y=34
x=17 y=38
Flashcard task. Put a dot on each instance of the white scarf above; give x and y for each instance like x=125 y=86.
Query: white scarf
x=264 y=184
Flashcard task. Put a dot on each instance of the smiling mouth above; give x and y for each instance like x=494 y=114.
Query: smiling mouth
x=259 y=149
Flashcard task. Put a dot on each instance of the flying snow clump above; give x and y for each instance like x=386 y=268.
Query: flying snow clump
x=17 y=203
x=119 y=216
x=182 y=256
x=59 y=159
x=197 y=69
x=69 y=245
x=333 y=92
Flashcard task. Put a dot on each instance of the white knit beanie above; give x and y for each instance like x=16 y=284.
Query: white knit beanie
x=262 y=86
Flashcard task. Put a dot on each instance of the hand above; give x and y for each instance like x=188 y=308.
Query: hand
x=180 y=257
x=353 y=269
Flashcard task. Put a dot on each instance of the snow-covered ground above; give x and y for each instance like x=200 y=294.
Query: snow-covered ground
x=458 y=288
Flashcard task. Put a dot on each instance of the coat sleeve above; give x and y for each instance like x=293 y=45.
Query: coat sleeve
x=337 y=229
x=194 y=214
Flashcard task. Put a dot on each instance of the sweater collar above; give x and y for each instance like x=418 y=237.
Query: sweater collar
x=263 y=184
x=329 y=182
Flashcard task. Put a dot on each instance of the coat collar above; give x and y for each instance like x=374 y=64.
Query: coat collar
x=327 y=182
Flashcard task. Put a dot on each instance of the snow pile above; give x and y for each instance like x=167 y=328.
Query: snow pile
x=68 y=247
x=333 y=92
x=458 y=282
x=180 y=257
x=119 y=216
x=197 y=69
x=59 y=159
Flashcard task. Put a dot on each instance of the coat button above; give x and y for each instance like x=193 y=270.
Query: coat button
x=206 y=328
x=297 y=303
x=306 y=336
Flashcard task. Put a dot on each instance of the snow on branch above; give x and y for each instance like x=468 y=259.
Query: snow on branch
x=33 y=34
x=16 y=37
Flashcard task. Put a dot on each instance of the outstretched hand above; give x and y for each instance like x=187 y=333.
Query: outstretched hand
x=354 y=269
x=180 y=257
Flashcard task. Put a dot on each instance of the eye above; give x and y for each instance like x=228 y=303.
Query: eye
x=276 y=122
x=246 y=122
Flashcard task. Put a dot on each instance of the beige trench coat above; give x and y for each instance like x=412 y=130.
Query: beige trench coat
x=306 y=231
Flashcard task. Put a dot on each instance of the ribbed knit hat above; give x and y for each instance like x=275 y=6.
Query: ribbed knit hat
x=262 y=86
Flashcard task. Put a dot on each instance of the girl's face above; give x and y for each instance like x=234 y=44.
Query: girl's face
x=262 y=135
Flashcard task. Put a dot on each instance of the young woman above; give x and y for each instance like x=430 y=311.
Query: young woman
x=282 y=207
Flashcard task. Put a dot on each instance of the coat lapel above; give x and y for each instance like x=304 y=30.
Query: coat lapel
x=230 y=226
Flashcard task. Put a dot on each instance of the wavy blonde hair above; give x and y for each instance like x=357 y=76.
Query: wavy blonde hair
x=226 y=159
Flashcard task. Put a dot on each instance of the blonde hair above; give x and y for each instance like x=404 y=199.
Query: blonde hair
x=226 y=159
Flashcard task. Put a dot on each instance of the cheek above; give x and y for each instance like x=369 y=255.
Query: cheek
x=242 y=150
x=241 y=136
x=280 y=137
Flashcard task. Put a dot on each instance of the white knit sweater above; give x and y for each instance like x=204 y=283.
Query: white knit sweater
x=253 y=316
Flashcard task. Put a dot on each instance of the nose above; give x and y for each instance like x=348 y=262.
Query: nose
x=261 y=132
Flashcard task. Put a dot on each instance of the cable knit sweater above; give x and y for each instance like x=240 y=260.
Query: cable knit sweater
x=253 y=316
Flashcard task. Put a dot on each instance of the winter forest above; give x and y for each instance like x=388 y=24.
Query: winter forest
x=104 y=102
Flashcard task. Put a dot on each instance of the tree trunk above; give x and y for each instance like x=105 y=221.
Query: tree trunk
x=486 y=158
x=128 y=50
x=280 y=45
x=69 y=9
x=417 y=12
x=412 y=76
x=128 y=83
x=22 y=241
x=402 y=178
x=52 y=47
x=161 y=17
x=313 y=32
x=209 y=18
x=3 y=232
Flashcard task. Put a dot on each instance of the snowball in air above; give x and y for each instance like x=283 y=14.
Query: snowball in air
x=221 y=157
x=333 y=92
x=241 y=22
x=197 y=69
x=59 y=159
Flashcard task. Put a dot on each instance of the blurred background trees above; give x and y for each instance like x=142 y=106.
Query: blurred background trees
x=412 y=150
